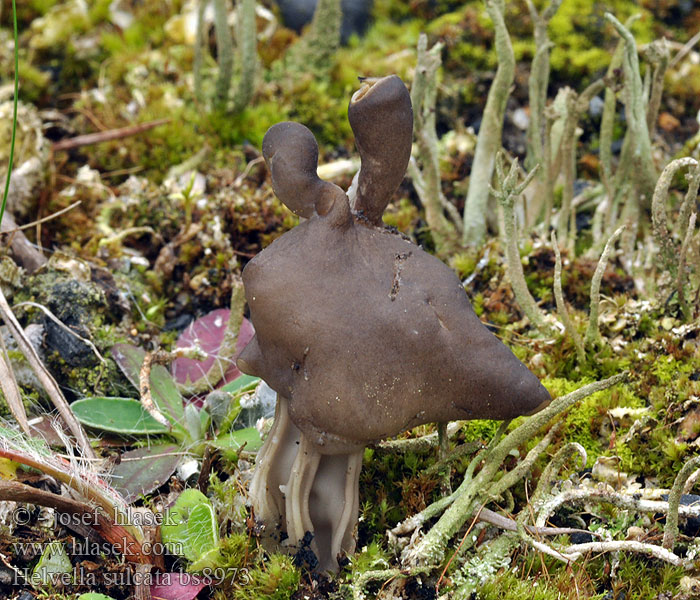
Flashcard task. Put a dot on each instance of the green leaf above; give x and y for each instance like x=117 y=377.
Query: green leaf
x=235 y=440
x=54 y=567
x=119 y=415
x=244 y=383
x=189 y=527
x=164 y=392
x=209 y=560
x=129 y=359
x=143 y=470
x=94 y=596
x=196 y=422
x=202 y=529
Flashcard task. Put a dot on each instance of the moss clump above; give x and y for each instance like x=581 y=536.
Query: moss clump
x=540 y=577
x=587 y=422
x=274 y=579
x=581 y=40
x=403 y=216
x=86 y=304
x=464 y=264
x=509 y=586
x=479 y=430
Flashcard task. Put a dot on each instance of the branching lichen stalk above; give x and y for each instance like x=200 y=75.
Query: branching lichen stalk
x=561 y=306
x=674 y=499
x=609 y=496
x=507 y=193
x=246 y=35
x=657 y=54
x=592 y=331
x=199 y=51
x=575 y=551
x=567 y=154
x=680 y=281
x=224 y=50
x=570 y=106
x=551 y=471
x=314 y=52
x=658 y=212
x=426 y=177
x=489 y=139
x=431 y=548
x=538 y=81
x=607 y=122
x=636 y=111
x=691 y=196
x=523 y=467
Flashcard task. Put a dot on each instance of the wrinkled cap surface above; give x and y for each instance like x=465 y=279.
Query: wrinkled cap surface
x=368 y=336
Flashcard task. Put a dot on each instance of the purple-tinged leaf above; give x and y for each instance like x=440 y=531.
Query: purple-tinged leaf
x=208 y=333
x=176 y=586
x=143 y=470
x=129 y=359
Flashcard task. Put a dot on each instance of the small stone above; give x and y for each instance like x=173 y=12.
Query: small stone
x=188 y=470
x=595 y=106
x=520 y=118
x=668 y=122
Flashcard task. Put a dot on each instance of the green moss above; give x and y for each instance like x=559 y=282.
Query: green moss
x=250 y=125
x=34 y=81
x=480 y=430
x=478 y=304
x=508 y=586
x=540 y=577
x=382 y=50
x=667 y=369
x=233 y=551
x=372 y=556
x=500 y=317
x=274 y=579
x=464 y=263
x=583 y=40
x=403 y=216
x=583 y=421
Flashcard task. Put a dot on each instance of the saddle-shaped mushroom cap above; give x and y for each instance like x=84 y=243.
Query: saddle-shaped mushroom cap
x=362 y=333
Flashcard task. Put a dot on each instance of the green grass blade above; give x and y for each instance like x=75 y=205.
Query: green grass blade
x=14 y=115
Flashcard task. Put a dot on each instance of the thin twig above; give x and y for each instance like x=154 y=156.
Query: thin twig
x=610 y=496
x=122 y=539
x=419 y=444
x=46 y=379
x=573 y=552
x=106 y=136
x=10 y=389
x=684 y=50
x=63 y=326
x=43 y=219
x=146 y=398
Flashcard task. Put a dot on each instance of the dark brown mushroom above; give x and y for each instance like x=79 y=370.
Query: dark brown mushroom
x=381 y=118
x=361 y=333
